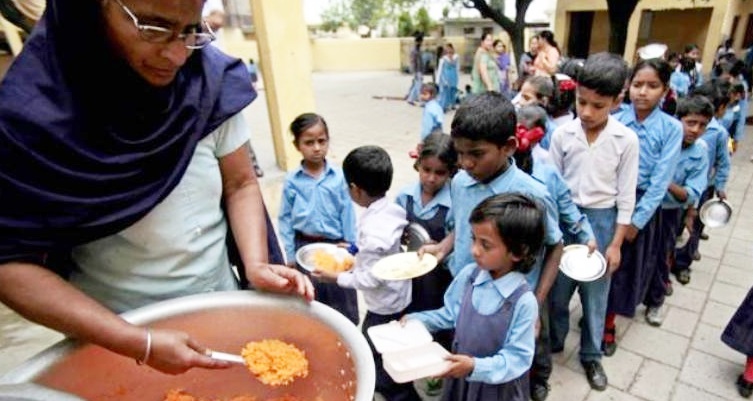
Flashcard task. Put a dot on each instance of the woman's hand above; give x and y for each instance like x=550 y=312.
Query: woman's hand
x=281 y=279
x=175 y=352
x=460 y=366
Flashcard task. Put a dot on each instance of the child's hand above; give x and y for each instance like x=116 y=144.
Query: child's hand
x=434 y=249
x=591 y=247
x=321 y=275
x=403 y=320
x=460 y=366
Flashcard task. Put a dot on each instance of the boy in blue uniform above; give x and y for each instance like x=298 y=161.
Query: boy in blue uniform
x=316 y=207
x=598 y=157
x=489 y=296
x=433 y=115
x=716 y=138
x=688 y=182
x=368 y=172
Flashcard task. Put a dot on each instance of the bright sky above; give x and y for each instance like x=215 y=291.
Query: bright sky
x=537 y=12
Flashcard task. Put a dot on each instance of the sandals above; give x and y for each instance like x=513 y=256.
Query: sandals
x=683 y=276
x=609 y=345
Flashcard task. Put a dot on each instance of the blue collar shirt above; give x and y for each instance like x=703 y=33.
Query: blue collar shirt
x=691 y=174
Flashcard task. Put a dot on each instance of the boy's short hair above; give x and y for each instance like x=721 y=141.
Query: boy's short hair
x=488 y=116
x=430 y=88
x=605 y=73
x=737 y=87
x=695 y=104
x=716 y=91
x=369 y=168
x=519 y=220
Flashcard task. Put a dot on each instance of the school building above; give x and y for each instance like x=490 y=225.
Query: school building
x=583 y=25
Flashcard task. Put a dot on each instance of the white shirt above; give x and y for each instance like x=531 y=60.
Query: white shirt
x=178 y=248
x=603 y=174
x=379 y=233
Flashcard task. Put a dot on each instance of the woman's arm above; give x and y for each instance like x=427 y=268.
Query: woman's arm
x=483 y=72
x=245 y=210
x=42 y=297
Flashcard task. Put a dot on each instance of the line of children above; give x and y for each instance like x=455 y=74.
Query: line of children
x=315 y=207
x=598 y=157
x=368 y=173
x=716 y=139
x=660 y=141
x=688 y=181
x=491 y=295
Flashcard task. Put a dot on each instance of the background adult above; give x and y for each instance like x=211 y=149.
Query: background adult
x=548 y=57
x=417 y=69
x=525 y=66
x=485 y=74
x=120 y=201
x=503 y=64
x=447 y=77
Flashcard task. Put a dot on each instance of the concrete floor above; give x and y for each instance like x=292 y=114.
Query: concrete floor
x=682 y=360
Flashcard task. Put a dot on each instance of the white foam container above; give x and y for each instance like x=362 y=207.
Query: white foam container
x=408 y=352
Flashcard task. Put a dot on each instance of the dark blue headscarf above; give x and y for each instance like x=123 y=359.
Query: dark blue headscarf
x=87 y=147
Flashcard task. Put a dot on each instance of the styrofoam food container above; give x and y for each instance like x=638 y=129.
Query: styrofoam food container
x=408 y=352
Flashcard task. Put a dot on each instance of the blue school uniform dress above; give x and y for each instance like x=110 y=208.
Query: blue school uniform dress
x=660 y=141
x=716 y=139
x=691 y=174
x=467 y=193
x=680 y=82
x=547 y=139
x=448 y=82
x=319 y=209
x=436 y=218
x=477 y=305
x=432 y=118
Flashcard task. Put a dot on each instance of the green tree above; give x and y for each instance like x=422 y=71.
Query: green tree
x=367 y=12
x=423 y=20
x=619 y=18
x=334 y=17
x=405 y=24
x=495 y=10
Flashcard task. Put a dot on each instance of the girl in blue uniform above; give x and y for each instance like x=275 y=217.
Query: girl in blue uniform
x=427 y=202
x=490 y=304
x=660 y=141
x=316 y=207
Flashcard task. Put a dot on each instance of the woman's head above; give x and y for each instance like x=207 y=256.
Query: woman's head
x=649 y=83
x=437 y=162
x=508 y=232
x=533 y=44
x=548 y=38
x=499 y=46
x=449 y=49
x=693 y=51
x=154 y=37
x=487 y=41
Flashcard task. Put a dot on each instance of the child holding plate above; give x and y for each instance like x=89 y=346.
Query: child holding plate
x=315 y=207
x=491 y=295
x=368 y=172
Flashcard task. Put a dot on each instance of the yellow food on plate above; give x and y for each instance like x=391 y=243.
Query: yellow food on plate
x=275 y=362
x=325 y=261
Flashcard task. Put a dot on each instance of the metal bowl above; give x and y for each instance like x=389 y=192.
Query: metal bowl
x=415 y=236
x=341 y=366
x=715 y=213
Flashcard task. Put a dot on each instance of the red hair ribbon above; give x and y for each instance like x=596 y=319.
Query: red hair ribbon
x=527 y=137
x=566 y=85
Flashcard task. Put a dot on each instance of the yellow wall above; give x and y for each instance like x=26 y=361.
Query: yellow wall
x=356 y=54
x=599 y=35
x=694 y=27
x=719 y=23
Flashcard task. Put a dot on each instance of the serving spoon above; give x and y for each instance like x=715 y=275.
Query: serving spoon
x=223 y=356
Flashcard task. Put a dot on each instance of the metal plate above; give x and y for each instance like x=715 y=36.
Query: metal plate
x=415 y=236
x=715 y=213
x=579 y=266
x=403 y=266
x=304 y=255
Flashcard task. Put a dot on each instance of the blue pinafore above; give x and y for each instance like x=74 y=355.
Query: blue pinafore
x=472 y=338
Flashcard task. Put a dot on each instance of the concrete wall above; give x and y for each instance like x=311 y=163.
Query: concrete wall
x=712 y=25
x=599 y=35
x=356 y=54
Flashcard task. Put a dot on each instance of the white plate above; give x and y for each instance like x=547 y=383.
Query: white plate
x=715 y=213
x=682 y=239
x=393 y=336
x=427 y=360
x=403 y=266
x=577 y=265
x=304 y=255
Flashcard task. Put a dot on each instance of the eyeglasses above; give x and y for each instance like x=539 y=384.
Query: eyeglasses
x=158 y=34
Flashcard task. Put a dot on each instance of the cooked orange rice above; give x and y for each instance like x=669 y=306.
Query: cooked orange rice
x=275 y=362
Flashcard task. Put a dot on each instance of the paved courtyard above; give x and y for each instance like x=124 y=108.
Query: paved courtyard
x=682 y=360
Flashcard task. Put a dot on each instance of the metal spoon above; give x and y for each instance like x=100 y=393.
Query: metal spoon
x=223 y=356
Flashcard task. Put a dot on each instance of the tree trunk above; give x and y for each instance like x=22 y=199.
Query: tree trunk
x=619 y=19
